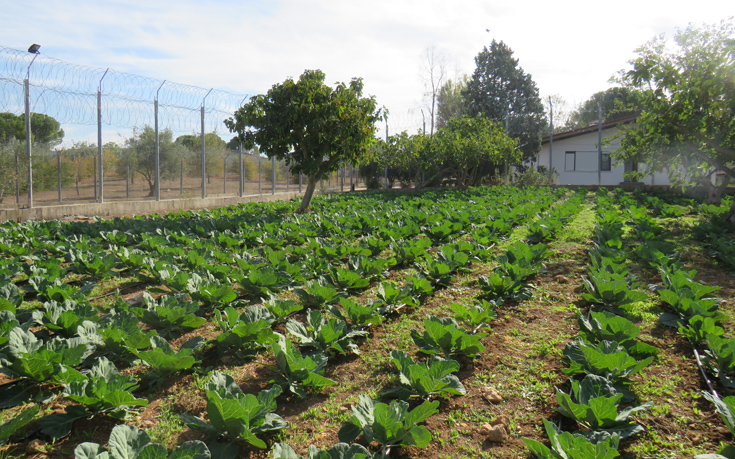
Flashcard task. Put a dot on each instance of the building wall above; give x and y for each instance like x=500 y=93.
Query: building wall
x=582 y=167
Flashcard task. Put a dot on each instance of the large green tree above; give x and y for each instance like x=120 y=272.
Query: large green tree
x=617 y=102
x=501 y=91
x=465 y=143
x=45 y=129
x=687 y=94
x=311 y=126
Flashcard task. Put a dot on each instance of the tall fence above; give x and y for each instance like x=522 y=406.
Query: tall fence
x=135 y=138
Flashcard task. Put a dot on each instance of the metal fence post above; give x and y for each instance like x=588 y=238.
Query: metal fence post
x=127 y=180
x=28 y=138
x=260 y=189
x=181 y=179
x=204 y=158
x=58 y=172
x=273 y=175
x=242 y=184
x=301 y=179
x=224 y=175
x=99 y=137
x=158 y=165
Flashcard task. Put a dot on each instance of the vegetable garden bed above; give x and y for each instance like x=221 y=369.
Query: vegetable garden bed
x=252 y=331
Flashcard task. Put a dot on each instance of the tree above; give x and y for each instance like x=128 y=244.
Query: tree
x=408 y=157
x=312 y=127
x=450 y=101
x=433 y=73
x=501 y=91
x=142 y=150
x=45 y=129
x=465 y=143
x=617 y=102
x=687 y=96
x=214 y=150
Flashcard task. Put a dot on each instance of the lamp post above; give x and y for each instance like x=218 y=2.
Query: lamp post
x=33 y=50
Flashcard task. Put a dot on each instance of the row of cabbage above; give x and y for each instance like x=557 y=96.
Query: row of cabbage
x=603 y=357
x=692 y=308
x=208 y=263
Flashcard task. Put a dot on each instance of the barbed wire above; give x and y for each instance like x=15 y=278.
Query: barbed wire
x=68 y=93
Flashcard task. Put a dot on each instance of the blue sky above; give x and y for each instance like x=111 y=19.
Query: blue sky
x=571 y=48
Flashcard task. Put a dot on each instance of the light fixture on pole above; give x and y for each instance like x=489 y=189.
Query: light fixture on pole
x=33 y=49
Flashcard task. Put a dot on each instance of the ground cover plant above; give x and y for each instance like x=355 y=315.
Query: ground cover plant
x=250 y=330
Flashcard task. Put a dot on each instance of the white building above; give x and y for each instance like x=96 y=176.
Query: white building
x=576 y=158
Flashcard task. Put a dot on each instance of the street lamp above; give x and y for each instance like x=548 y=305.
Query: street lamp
x=33 y=49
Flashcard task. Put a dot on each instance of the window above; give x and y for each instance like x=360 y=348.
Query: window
x=570 y=160
x=606 y=163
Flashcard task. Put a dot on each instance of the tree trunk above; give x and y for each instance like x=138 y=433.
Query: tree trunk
x=714 y=193
x=311 y=182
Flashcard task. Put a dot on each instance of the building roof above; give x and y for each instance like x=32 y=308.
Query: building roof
x=589 y=129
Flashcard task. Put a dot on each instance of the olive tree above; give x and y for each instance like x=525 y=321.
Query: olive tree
x=309 y=125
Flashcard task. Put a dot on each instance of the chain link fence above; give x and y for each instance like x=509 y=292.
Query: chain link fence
x=135 y=138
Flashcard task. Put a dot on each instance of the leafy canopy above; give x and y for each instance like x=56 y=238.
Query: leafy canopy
x=687 y=90
x=499 y=89
x=311 y=126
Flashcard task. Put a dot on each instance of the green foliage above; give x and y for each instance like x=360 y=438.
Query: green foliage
x=607 y=359
x=25 y=356
x=120 y=332
x=141 y=150
x=17 y=422
x=476 y=317
x=328 y=336
x=697 y=328
x=357 y=314
x=335 y=128
x=391 y=298
x=103 y=389
x=687 y=131
x=686 y=297
x=409 y=251
x=164 y=361
x=722 y=353
x=64 y=317
x=500 y=90
x=249 y=330
x=444 y=336
x=281 y=309
x=611 y=290
x=424 y=380
x=317 y=293
x=726 y=408
x=235 y=414
x=604 y=326
x=389 y=425
x=338 y=451
x=617 y=102
x=169 y=313
x=465 y=143
x=296 y=371
x=597 y=409
x=565 y=446
x=129 y=442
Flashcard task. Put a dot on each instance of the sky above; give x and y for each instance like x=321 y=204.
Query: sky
x=570 y=48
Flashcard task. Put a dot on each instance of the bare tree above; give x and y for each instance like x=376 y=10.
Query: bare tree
x=433 y=74
x=561 y=112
